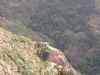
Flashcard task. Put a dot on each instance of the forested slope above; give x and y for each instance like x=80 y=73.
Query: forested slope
x=66 y=24
x=20 y=55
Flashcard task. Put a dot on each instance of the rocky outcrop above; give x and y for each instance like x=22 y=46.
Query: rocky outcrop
x=56 y=56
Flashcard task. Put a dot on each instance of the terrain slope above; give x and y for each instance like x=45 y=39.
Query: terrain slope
x=19 y=55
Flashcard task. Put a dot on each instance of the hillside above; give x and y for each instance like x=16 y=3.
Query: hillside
x=19 y=55
x=72 y=26
x=94 y=19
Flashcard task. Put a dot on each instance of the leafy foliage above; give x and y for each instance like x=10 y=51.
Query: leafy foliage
x=42 y=51
x=62 y=23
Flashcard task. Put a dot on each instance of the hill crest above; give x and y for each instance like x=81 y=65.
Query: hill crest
x=18 y=54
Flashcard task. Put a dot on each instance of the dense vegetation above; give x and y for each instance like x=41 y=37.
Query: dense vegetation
x=20 y=56
x=63 y=23
x=59 y=19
